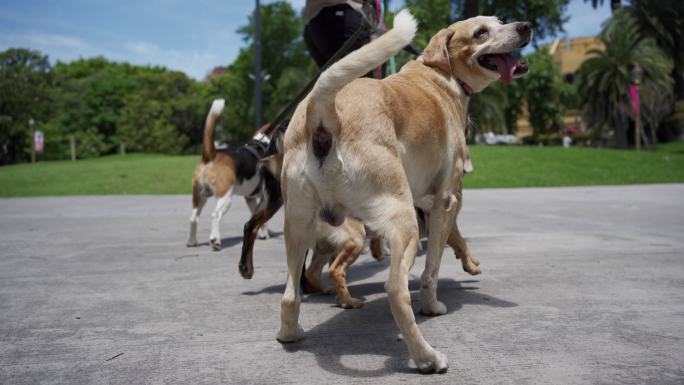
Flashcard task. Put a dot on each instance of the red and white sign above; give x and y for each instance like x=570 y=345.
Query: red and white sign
x=38 y=141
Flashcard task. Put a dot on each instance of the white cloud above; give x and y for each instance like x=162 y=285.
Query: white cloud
x=42 y=41
x=68 y=42
x=194 y=63
x=57 y=47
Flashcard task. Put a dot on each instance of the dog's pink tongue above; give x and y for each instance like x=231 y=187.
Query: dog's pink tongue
x=505 y=64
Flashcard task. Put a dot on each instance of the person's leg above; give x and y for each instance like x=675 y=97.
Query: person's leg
x=313 y=49
x=331 y=28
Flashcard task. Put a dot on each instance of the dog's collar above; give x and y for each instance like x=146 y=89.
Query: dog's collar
x=260 y=137
x=466 y=88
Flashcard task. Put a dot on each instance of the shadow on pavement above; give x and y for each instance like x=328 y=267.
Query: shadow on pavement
x=371 y=330
x=225 y=242
x=356 y=272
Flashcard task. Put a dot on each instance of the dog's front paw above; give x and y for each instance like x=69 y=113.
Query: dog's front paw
x=351 y=303
x=471 y=265
x=286 y=335
x=245 y=271
x=471 y=268
x=191 y=243
x=263 y=233
x=215 y=244
x=435 y=362
x=433 y=308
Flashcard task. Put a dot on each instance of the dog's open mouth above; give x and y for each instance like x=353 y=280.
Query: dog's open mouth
x=506 y=64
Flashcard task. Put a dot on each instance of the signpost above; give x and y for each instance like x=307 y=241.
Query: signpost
x=257 y=65
x=32 y=124
x=637 y=74
x=39 y=141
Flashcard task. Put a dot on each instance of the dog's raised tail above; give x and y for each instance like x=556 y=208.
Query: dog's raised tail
x=208 y=149
x=357 y=64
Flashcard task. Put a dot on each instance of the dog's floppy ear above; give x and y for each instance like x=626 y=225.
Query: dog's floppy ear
x=436 y=54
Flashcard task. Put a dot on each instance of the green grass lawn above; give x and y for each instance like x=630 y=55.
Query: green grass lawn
x=495 y=166
x=514 y=166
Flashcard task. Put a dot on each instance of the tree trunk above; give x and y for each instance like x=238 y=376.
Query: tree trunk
x=678 y=84
x=621 y=140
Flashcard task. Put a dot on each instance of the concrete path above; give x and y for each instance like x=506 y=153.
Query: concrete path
x=579 y=286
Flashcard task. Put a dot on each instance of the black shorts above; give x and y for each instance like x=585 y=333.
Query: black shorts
x=328 y=31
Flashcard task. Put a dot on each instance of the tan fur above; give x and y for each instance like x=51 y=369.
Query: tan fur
x=394 y=141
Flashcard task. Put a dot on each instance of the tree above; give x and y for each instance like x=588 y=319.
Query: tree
x=285 y=61
x=89 y=96
x=488 y=110
x=663 y=21
x=547 y=16
x=162 y=113
x=497 y=108
x=24 y=95
x=98 y=102
x=145 y=126
x=604 y=78
x=614 y=4
x=543 y=89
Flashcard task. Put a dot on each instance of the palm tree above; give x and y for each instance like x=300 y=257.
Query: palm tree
x=487 y=111
x=664 y=22
x=614 y=4
x=604 y=78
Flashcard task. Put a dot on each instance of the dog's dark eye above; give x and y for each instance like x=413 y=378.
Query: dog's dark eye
x=480 y=33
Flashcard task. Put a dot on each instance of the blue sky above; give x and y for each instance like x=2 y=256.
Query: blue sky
x=192 y=35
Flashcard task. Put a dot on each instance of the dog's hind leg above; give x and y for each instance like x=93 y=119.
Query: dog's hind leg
x=297 y=241
x=222 y=207
x=198 y=201
x=311 y=281
x=350 y=251
x=396 y=222
x=253 y=206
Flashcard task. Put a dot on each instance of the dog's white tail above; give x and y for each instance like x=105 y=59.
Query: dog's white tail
x=208 y=150
x=356 y=64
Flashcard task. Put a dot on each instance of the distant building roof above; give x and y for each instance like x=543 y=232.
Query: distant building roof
x=215 y=72
x=571 y=53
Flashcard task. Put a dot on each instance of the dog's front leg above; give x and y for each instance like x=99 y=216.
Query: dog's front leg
x=442 y=216
x=470 y=264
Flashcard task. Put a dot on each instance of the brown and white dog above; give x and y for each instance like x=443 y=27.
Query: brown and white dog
x=368 y=149
x=224 y=173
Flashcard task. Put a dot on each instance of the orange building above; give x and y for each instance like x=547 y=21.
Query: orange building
x=569 y=54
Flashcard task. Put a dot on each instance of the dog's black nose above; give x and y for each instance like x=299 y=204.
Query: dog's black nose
x=523 y=27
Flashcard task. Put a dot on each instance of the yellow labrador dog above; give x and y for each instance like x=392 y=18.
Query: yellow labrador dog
x=368 y=149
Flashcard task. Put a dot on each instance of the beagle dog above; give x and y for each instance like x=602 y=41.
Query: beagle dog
x=368 y=149
x=226 y=172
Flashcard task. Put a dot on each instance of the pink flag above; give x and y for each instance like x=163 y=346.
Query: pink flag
x=634 y=92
